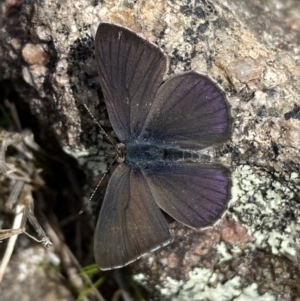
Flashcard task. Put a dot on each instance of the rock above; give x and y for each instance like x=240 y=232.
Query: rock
x=251 y=48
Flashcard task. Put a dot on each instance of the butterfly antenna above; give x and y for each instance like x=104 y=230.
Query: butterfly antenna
x=90 y=199
x=100 y=126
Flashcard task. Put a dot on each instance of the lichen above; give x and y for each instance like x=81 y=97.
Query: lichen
x=203 y=284
x=268 y=206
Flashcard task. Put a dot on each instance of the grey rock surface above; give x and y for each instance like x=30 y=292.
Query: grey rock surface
x=252 y=49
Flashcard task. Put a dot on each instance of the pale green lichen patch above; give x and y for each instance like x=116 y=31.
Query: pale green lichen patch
x=250 y=294
x=173 y=287
x=222 y=250
x=203 y=284
x=92 y=158
x=268 y=206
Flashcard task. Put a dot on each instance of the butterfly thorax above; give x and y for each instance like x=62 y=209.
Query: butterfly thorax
x=137 y=152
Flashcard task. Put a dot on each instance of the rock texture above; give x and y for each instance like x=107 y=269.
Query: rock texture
x=252 y=49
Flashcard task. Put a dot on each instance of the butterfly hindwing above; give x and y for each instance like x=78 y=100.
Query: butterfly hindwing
x=195 y=194
x=130 y=223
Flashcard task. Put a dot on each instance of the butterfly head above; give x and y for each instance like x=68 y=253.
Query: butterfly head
x=118 y=153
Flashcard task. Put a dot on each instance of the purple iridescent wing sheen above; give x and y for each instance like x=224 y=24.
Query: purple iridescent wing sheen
x=131 y=70
x=189 y=111
x=130 y=223
x=195 y=194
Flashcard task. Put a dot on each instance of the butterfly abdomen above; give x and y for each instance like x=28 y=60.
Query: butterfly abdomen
x=141 y=153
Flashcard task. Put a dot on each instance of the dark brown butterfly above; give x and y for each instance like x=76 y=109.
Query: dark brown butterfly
x=159 y=125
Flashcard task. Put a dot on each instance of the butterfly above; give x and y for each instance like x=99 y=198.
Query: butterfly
x=160 y=125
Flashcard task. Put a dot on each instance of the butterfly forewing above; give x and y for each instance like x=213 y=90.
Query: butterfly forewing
x=189 y=111
x=131 y=70
x=130 y=223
